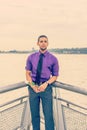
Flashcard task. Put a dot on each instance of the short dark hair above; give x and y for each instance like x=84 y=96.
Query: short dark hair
x=41 y=37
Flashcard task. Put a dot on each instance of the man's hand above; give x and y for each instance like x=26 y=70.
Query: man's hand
x=42 y=87
x=35 y=88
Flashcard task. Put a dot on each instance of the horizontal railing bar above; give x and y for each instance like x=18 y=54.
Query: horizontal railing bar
x=42 y=121
x=21 y=98
x=56 y=84
x=8 y=108
x=70 y=103
x=12 y=87
x=70 y=88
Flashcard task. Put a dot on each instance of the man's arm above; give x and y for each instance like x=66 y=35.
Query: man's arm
x=50 y=81
x=29 y=79
x=28 y=76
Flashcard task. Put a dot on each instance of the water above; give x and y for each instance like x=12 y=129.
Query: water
x=73 y=70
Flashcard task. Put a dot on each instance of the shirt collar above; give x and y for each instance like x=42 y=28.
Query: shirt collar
x=44 y=53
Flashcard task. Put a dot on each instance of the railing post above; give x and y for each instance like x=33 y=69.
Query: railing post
x=27 y=117
x=59 y=122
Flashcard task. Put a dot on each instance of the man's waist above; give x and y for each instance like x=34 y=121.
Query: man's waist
x=41 y=82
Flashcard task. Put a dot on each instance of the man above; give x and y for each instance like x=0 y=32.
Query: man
x=41 y=71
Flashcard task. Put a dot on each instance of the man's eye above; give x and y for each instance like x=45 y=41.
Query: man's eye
x=43 y=41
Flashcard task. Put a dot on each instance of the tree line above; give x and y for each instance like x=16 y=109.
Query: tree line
x=54 y=50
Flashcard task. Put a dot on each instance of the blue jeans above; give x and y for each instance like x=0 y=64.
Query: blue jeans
x=47 y=105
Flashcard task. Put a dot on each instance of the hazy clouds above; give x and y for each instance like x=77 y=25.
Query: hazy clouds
x=21 y=21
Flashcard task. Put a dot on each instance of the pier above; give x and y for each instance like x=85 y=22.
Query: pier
x=15 y=114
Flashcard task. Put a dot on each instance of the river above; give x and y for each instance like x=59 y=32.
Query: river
x=73 y=70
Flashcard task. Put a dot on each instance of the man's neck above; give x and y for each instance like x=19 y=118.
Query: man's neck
x=43 y=51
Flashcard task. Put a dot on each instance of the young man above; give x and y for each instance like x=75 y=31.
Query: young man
x=41 y=71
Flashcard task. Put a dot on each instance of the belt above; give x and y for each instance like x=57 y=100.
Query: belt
x=39 y=83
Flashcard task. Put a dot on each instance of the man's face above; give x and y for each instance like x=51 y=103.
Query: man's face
x=43 y=43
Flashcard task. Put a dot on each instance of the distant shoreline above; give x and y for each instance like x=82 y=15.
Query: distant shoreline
x=55 y=50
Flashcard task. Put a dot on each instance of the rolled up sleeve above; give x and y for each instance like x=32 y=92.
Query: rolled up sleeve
x=28 y=64
x=55 y=68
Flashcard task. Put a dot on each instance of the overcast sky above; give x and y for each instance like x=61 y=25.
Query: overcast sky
x=63 y=21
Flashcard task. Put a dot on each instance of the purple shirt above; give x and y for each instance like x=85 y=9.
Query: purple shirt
x=50 y=65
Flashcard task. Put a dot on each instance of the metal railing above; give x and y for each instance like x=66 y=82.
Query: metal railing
x=15 y=114
x=69 y=115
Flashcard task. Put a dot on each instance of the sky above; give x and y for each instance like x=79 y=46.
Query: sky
x=63 y=21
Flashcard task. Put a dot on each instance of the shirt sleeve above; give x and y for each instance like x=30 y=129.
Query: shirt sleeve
x=55 y=68
x=28 y=64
